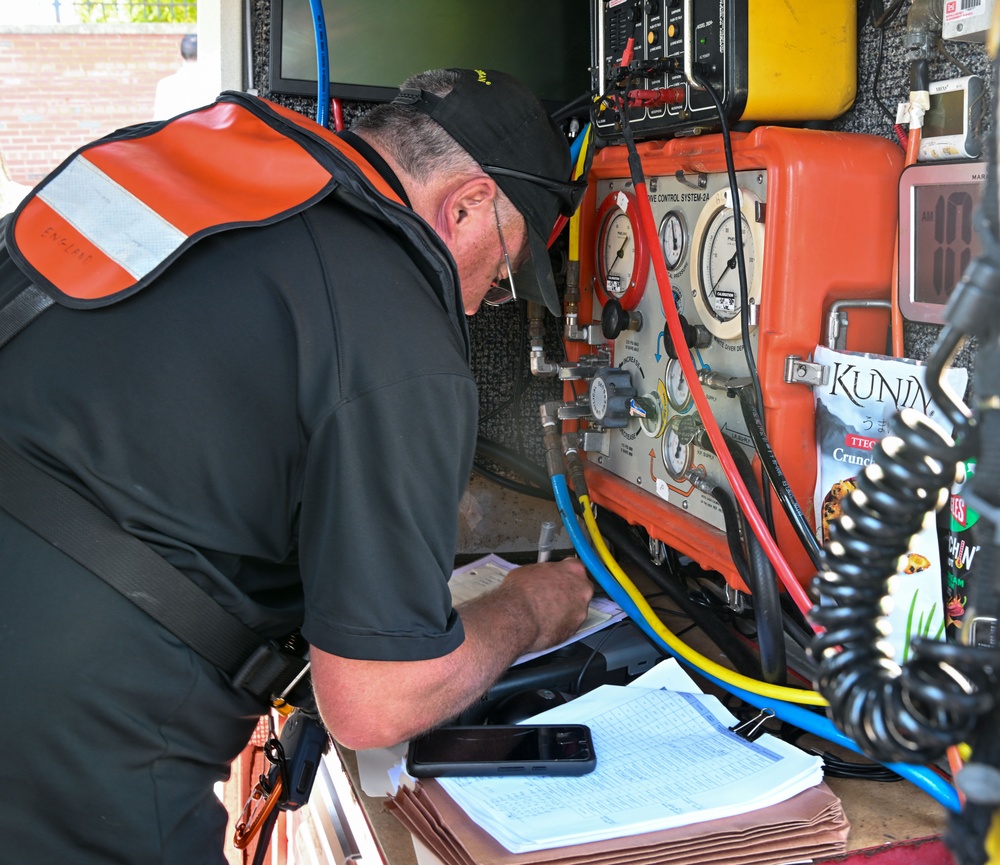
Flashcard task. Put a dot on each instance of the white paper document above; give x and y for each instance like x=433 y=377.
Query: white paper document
x=488 y=572
x=664 y=759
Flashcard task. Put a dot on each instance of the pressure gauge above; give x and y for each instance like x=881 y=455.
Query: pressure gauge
x=678 y=392
x=622 y=257
x=678 y=454
x=673 y=238
x=715 y=274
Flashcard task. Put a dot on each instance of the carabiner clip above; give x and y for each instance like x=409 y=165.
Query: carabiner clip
x=267 y=794
x=263 y=800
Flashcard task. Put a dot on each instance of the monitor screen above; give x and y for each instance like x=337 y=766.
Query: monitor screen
x=373 y=46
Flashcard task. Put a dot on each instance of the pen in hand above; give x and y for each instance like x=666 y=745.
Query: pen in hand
x=545 y=539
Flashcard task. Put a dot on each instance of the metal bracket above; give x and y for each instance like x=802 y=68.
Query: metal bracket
x=574 y=410
x=594 y=442
x=799 y=371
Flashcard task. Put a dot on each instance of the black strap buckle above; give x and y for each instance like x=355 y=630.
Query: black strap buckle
x=272 y=673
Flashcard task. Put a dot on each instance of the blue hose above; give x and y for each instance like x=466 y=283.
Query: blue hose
x=574 y=148
x=322 y=65
x=818 y=725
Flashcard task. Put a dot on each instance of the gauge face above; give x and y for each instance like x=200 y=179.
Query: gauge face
x=678 y=456
x=718 y=267
x=716 y=276
x=617 y=253
x=622 y=257
x=678 y=392
x=673 y=239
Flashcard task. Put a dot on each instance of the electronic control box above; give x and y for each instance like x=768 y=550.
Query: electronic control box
x=817 y=216
x=767 y=60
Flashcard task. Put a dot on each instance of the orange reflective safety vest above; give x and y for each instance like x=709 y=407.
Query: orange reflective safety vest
x=106 y=224
x=114 y=215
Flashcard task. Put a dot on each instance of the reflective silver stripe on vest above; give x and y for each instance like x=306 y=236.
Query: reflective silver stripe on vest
x=125 y=229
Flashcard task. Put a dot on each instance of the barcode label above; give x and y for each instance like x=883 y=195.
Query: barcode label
x=970 y=4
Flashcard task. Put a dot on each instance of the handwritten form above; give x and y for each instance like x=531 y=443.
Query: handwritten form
x=488 y=572
x=664 y=759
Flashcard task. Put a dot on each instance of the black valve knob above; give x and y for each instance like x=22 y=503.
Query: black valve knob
x=615 y=318
x=695 y=335
x=611 y=393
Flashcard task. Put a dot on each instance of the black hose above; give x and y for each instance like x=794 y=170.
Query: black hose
x=778 y=482
x=544 y=493
x=770 y=641
x=735 y=532
x=763 y=583
x=506 y=456
x=615 y=530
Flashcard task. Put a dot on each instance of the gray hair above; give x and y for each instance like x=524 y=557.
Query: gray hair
x=419 y=145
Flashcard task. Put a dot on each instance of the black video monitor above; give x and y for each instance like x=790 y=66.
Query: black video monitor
x=374 y=46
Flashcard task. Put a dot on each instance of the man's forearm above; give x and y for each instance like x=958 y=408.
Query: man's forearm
x=370 y=704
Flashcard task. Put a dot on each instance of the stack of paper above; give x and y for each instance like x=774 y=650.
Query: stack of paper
x=807 y=827
x=666 y=762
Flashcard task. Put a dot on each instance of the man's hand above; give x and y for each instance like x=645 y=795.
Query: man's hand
x=372 y=704
x=555 y=594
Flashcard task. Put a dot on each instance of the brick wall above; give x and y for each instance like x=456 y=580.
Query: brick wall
x=63 y=86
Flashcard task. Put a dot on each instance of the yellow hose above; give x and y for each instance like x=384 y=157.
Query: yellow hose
x=754 y=686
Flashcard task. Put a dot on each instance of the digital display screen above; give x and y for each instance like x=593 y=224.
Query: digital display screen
x=938 y=211
x=375 y=45
x=946 y=115
x=944 y=239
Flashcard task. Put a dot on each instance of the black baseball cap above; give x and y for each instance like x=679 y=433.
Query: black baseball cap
x=504 y=127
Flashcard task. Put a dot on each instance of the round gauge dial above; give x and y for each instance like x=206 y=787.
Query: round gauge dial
x=678 y=391
x=678 y=455
x=622 y=257
x=715 y=276
x=673 y=239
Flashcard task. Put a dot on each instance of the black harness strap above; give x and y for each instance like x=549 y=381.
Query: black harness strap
x=24 y=307
x=90 y=537
x=21 y=311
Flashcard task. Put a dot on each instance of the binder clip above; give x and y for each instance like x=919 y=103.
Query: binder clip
x=754 y=728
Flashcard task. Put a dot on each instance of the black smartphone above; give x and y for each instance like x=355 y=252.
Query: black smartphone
x=498 y=749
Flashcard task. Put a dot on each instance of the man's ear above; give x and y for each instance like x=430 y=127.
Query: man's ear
x=466 y=209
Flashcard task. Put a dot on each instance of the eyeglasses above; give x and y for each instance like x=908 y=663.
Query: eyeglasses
x=502 y=290
x=569 y=192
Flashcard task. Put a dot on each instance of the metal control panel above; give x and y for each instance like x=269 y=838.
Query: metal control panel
x=658 y=438
x=816 y=215
x=765 y=61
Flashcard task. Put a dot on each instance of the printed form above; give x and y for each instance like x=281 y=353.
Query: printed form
x=664 y=759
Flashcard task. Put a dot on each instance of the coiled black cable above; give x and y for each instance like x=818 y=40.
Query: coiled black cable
x=895 y=714
x=915 y=712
